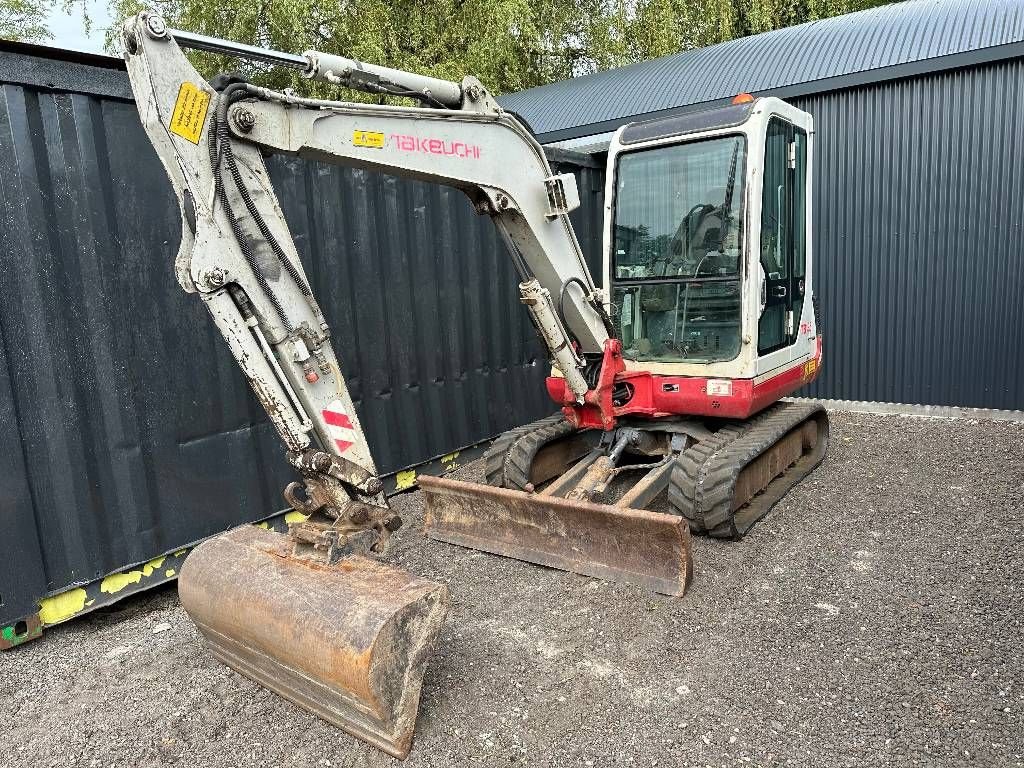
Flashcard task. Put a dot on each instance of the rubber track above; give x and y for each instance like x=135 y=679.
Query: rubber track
x=704 y=478
x=688 y=474
x=520 y=456
x=494 y=458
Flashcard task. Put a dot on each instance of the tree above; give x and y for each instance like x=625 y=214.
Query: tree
x=24 y=20
x=509 y=44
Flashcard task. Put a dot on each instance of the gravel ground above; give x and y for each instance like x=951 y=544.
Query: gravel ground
x=872 y=619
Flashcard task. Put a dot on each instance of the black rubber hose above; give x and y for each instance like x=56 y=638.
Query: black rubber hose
x=227 y=155
x=220 y=148
x=561 y=295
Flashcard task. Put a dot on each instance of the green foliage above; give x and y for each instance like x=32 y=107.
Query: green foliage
x=509 y=44
x=653 y=28
x=24 y=20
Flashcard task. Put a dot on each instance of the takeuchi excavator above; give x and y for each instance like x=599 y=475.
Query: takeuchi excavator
x=669 y=377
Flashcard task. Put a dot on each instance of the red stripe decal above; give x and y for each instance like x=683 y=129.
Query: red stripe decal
x=336 y=419
x=343 y=445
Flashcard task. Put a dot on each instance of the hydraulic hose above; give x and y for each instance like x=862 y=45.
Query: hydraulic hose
x=220 y=149
x=226 y=155
x=561 y=303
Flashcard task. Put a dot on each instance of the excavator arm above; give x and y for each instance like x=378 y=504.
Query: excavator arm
x=307 y=614
x=236 y=250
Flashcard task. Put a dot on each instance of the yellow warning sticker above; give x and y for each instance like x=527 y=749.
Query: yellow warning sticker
x=190 y=112
x=372 y=139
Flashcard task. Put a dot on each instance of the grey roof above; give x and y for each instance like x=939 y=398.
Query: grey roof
x=890 y=36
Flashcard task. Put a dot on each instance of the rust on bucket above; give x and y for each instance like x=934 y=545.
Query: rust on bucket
x=348 y=641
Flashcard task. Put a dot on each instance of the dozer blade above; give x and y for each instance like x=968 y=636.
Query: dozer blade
x=348 y=642
x=650 y=549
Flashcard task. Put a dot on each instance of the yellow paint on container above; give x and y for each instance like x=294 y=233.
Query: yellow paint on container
x=180 y=552
x=60 y=607
x=169 y=573
x=152 y=565
x=118 y=581
x=295 y=517
x=448 y=458
x=264 y=525
x=406 y=479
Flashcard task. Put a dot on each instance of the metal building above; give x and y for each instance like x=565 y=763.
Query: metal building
x=919 y=204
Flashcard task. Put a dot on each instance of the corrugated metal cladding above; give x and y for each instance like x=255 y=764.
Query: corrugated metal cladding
x=919 y=218
x=887 y=36
x=129 y=432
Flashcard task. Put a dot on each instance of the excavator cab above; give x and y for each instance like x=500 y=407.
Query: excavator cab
x=707 y=240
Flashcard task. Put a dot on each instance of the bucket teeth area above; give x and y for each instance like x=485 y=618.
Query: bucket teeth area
x=348 y=642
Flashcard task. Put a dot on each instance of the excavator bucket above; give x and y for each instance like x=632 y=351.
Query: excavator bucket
x=348 y=642
x=618 y=543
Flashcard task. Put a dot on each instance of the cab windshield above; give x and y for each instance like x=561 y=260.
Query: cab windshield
x=677 y=252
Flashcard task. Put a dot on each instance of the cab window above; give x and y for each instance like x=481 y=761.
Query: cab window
x=677 y=250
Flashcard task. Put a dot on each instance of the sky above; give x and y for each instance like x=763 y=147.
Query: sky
x=69 y=32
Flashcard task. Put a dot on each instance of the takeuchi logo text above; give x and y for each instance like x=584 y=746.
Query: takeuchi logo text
x=408 y=143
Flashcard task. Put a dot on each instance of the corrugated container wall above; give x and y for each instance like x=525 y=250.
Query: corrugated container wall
x=129 y=431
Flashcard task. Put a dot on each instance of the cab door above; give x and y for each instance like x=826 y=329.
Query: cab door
x=783 y=244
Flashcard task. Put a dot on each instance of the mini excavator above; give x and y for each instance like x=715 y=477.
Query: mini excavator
x=669 y=378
